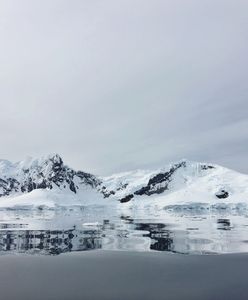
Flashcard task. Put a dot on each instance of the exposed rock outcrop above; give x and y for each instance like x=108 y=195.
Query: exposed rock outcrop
x=44 y=173
x=50 y=173
x=222 y=194
x=159 y=183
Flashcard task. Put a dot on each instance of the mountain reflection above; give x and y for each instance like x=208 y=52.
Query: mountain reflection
x=60 y=241
x=86 y=232
x=157 y=232
x=49 y=241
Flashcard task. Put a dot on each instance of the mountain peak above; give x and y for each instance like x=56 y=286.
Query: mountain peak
x=49 y=172
x=55 y=157
x=31 y=162
x=46 y=172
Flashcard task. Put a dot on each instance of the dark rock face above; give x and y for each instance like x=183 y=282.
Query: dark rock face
x=206 y=167
x=159 y=183
x=107 y=193
x=8 y=185
x=122 y=186
x=51 y=172
x=45 y=175
x=222 y=194
x=88 y=179
x=127 y=198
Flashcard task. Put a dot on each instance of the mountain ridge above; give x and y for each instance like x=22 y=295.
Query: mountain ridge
x=50 y=173
x=41 y=173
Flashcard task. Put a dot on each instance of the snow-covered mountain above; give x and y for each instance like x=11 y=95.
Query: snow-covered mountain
x=43 y=173
x=177 y=184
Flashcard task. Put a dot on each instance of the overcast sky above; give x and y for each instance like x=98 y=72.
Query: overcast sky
x=113 y=85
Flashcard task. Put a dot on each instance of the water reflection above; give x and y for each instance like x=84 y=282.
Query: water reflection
x=56 y=232
x=49 y=241
x=224 y=224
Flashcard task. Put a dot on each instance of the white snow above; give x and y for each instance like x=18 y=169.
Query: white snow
x=191 y=187
x=50 y=199
x=189 y=208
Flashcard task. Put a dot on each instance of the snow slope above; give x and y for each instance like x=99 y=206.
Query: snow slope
x=47 y=182
x=199 y=192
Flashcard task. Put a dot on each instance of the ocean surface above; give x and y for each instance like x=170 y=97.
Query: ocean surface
x=124 y=275
x=138 y=254
x=53 y=232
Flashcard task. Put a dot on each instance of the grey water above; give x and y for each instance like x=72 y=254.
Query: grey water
x=104 y=253
x=108 y=275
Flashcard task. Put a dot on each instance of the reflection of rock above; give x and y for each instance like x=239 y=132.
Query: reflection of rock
x=222 y=194
x=162 y=244
x=126 y=232
x=161 y=237
x=224 y=224
x=49 y=241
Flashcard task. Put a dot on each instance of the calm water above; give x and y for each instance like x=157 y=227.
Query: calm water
x=53 y=232
x=111 y=275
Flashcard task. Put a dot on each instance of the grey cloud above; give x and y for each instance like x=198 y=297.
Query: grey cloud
x=116 y=85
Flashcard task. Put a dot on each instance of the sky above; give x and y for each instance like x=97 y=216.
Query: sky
x=116 y=85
